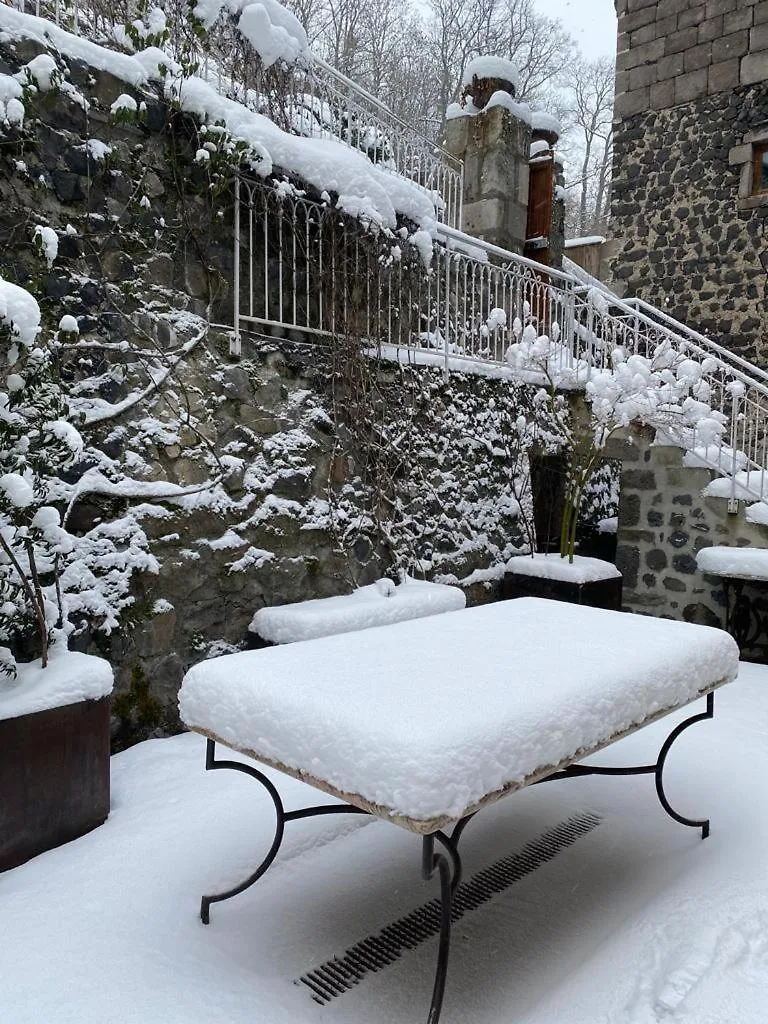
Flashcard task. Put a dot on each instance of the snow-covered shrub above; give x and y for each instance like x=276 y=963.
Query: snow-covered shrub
x=664 y=389
x=51 y=579
x=35 y=436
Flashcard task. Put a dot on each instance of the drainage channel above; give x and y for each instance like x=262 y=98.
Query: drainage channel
x=340 y=974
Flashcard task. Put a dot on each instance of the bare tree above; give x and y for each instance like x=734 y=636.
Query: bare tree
x=589 y=95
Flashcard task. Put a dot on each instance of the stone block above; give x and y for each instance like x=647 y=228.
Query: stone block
x=644 y=54
x=739 y=155
x=736 y=21
x=630 y=103
x=758 y=37
x=754 y=68
x=662 y=94
x=670 y=67
x=638 y=480
x=639 y=5
x=698 y=56
x=666 y=25
x=723 y=76
x=643 y=35
x=691 y=86
x=734 y=45
x=622 y=82
x=710 y=29
x=622 y=42
x=693 y=16
x=715 y=7
x=681 y=40
x=645 y=74
x=635 y=20
x=760 y=16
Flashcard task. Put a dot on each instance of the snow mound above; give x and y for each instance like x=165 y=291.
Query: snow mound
x=749 y=563
x=380 y=603
x=69 y=677
x=19 y=311
x=553 y=567
x=491 y=67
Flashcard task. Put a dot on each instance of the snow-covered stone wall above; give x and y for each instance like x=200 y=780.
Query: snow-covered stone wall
x=665 y=519
x=241 y=475
x=691 y=107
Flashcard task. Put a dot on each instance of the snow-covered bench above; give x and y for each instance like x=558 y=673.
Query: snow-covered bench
x=424 y=722
x=379 y=604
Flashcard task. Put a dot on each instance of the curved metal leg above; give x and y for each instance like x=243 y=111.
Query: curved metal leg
x=702 y=823
x=281 y=817
x=211 y=763
x=432 y=862
x=450 y=846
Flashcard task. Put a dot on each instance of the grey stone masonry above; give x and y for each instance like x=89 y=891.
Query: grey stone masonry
x=663 y=523
x=691 y=232
x=702 y=46
x=495 y=147
x=685 y=240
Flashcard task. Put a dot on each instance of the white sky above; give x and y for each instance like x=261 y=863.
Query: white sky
x=592 y=23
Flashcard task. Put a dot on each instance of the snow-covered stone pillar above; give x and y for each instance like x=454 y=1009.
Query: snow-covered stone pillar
x=491 y=133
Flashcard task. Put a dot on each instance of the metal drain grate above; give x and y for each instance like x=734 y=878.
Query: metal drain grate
x=340 y=974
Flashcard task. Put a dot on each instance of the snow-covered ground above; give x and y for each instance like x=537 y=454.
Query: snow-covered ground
x=639 y=922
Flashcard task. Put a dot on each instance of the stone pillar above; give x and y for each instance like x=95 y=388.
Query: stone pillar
x=494 y=144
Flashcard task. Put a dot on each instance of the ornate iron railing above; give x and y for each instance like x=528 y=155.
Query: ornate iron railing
x=304 y=270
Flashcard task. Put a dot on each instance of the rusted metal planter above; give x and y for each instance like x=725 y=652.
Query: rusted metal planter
x=595 y=593
x=54 y=778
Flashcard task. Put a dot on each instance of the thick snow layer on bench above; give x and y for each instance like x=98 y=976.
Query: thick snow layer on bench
x=751 y=563
x=553 y=567
x=426 y=718
x=380 y=603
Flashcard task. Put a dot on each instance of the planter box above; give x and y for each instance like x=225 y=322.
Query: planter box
x=595 y=593
x=54 y=778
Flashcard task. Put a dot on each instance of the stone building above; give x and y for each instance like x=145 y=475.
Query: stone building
x=690 y=192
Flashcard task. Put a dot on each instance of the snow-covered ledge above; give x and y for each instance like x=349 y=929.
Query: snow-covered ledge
x=738 y=563
x=379 y=604
x=554 y=567
x=68 y=678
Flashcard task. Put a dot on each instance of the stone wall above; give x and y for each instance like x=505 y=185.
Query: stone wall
x=300 y=508
x=691 y=99
x=663 y=523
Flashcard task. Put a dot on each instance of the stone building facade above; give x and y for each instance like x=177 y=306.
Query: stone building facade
x=690 y=192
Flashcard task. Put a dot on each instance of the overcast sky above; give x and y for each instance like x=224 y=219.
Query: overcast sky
x=592 y=23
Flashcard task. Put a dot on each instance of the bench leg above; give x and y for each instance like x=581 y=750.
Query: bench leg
x=702 y=823
x=449 y=879
x=211 y=763
x=576 y=771
x=281 y=817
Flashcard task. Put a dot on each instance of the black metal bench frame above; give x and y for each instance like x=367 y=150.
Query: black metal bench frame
x=446 y=862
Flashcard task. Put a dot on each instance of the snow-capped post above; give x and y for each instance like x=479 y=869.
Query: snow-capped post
x=491 y=132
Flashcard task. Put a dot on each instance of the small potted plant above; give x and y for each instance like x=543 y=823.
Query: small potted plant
x=54 y=706
x=664 y=389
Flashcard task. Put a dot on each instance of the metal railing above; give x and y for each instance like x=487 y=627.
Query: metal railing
x=311 y=98
x=303 y=270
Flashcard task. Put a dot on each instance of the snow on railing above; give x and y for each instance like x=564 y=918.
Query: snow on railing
x=313 y=99
x=304 y=271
